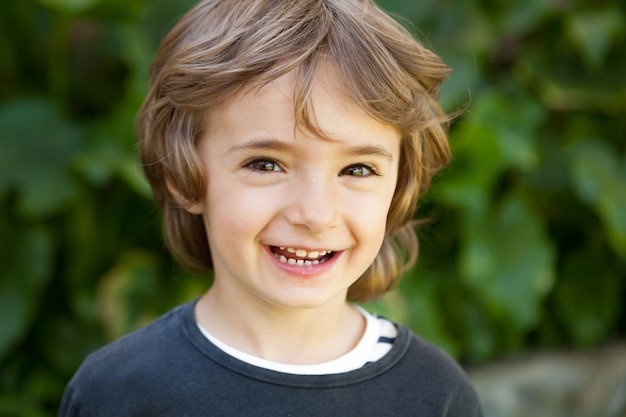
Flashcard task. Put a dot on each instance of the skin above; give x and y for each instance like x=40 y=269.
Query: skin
x=271 y=185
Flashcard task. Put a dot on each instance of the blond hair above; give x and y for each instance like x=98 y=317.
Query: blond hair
x=222 y=46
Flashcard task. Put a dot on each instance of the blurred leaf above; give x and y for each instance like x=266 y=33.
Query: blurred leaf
x=481 y=336
x=586 y=279
x=137 y=51
x=99 y=163
x=36 y=145
x=406 y=9
x=133 y=176
x=564 y=84
x=497 y=134
x=111 y=153
x=125 y=289
x=105 y=159
x=69 y=6
x=426 y=314
x=508 y=260
x=468 y=182
x=514 y=119
x=560 y=95
x=26 y=258
x=522 y=16
x=599 y=179
x=594 y=31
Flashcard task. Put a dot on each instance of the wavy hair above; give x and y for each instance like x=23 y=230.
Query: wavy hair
x=222 y=46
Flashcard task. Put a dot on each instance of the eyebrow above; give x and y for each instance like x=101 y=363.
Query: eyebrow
x=261 y=144
x=280 y=146
x=370 y=150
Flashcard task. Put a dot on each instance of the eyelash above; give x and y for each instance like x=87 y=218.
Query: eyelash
x=257 y=163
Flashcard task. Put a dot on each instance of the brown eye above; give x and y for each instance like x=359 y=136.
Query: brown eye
x=358 y=170
x=264 y=165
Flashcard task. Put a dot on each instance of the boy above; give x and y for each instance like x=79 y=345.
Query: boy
x=286 y=143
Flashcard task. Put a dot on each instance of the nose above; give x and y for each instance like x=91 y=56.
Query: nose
x=313 y=204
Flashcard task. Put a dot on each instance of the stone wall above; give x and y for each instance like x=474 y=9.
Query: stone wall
x=556 y=384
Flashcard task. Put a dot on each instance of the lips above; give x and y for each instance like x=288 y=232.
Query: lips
x=300 y=257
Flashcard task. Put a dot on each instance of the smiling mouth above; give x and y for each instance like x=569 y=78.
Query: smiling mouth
x=300 y=257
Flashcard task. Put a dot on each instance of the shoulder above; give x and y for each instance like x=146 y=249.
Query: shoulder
x=152 y=339
x=425 y=367
x=126 y=364
x=430 y=358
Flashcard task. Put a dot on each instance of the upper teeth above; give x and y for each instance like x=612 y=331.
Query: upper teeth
x=302 y=253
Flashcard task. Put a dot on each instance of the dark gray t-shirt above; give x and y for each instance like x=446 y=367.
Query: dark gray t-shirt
x=169 y=368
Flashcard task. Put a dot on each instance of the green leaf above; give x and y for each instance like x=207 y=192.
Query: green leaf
x=132 y=174
x=72 y=7
x=27 y=264
x=426 y=316
x=589 y=295
x=599 y=178
x=125 y=290
x=514 y=118
x=493 y=137
x=594 y=31
x=508 y=261
x=112 y=153
x=481 y=336
x=36 y=146
x=521 y=17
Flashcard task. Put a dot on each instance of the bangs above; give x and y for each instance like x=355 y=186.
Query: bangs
x=382 y=68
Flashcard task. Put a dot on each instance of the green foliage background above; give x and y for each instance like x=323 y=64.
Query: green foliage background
x=526 y=247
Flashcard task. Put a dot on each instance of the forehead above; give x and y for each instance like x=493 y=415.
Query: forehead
x=319 y=106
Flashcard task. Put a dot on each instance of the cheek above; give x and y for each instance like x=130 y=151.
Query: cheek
x=372 y=217
x=235 y=213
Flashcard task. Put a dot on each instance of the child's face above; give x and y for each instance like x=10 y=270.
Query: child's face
x=273 y=189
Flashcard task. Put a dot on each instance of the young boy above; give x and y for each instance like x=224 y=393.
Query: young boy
x=286 y=142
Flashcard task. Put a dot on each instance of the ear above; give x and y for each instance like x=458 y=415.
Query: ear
x=193 y=208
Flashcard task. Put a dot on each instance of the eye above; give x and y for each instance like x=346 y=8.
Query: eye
x=359 y=170
x=263 y=165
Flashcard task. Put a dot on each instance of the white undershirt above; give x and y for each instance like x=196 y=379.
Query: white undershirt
x=369 y=349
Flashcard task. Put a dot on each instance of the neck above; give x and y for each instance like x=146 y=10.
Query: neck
x=292 y=336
